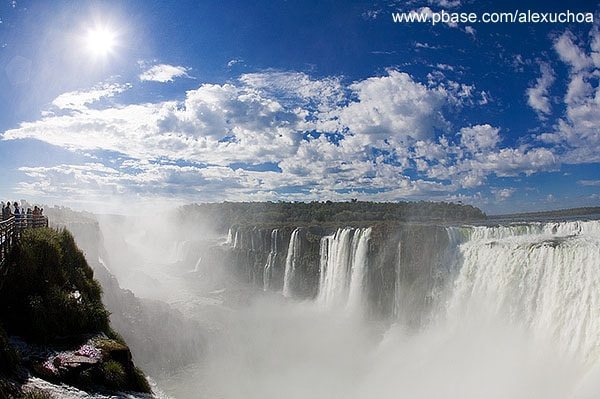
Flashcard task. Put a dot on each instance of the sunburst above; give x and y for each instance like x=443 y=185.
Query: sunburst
x=100 y=41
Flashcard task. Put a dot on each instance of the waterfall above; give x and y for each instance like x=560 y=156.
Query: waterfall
x=543 y=276
x=360 y=259
x=343 y=266
x=237 y=241
x=290 y=262
x=398 y=283
x=198 y=263
x=335 y=266
x=271 y=258
x=229 y=240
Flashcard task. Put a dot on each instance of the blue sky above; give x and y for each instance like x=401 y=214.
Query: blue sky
x=107 y=103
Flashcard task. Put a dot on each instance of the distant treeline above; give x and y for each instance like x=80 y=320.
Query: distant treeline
x=223 y=215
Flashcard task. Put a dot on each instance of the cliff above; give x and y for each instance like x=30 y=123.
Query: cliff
x=57 y=326
x=402 y=263
x=160 y=337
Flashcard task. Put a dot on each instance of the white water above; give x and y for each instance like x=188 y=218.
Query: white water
x=544 y=278
x=229 y=240
x=519 y=318
x=344 y=258
x=359 y=261
x=271 y=259
x=398 y=300
x=290 y=262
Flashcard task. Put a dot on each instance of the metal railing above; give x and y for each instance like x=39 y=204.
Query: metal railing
x=11 y=228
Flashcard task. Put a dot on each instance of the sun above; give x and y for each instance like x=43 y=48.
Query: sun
x=100 y=41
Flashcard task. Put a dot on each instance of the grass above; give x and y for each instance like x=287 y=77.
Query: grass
x=50 y=290
x=114 y=375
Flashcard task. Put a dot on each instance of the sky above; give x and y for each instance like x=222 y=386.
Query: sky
x=109 y=105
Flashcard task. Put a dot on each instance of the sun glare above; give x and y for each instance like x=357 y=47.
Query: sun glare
x=100 y=41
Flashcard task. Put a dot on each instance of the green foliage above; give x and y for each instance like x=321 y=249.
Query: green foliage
x=114 y=375
x=49 y=290
x=225 y=214
x=139 y=381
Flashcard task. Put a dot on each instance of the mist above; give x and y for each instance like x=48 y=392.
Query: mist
x=275 y=348
x=500 y=325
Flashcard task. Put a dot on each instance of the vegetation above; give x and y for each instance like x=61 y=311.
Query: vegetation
x=223 y=215
x=50 y=291
x=114 y=374
x=50 y=297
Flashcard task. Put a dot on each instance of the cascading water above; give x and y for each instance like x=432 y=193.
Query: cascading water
x=360 y=245
x=543 y=276
x=271 y=259
x=509 y=311
x=398 y=284
x=290 y=262
x=343 y=265
x=229 y=240
x=237 y=240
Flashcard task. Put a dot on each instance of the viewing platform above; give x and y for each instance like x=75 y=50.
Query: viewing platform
x=11 y=229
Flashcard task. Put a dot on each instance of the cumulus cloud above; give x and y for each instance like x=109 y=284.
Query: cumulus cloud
x=538 y=95
x=391 y=107
x=578 y=132
x=280 y=135
x=164 y=73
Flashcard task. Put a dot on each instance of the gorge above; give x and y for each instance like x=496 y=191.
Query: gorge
x=367 y=309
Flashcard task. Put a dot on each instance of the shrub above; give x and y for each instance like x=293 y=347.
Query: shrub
x=139 y=382
x=114 y=375
x=49 y=290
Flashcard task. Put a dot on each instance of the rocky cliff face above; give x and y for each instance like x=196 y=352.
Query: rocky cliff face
x=160 y=337
x=403 y=265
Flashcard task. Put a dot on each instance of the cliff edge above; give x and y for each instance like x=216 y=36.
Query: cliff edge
x=53 y=324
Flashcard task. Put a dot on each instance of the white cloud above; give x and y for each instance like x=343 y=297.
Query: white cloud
x=297 y=87
x=426 y=45
x=78 y=100
x=234 y=62
x=503 y=193
x=538 y=95
x=479 y=138
x=380 y=138
x=578 y=90
x=446 y=3
x=164 y=73
x=392 y=106
x=589 y=182
x=578 y=132
x=571 y=53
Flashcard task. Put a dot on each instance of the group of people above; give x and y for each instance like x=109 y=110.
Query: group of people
x=9 y=210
